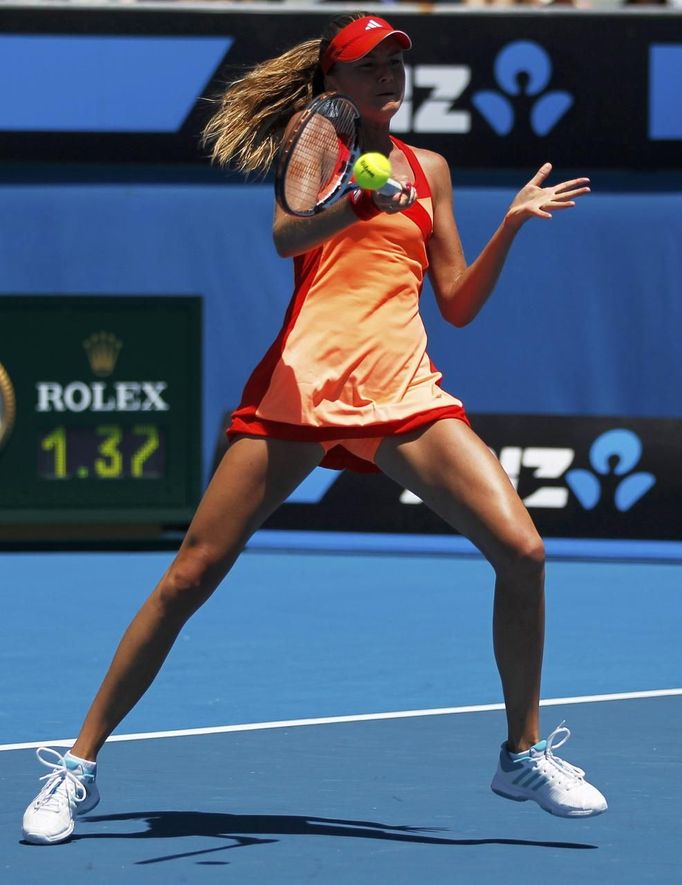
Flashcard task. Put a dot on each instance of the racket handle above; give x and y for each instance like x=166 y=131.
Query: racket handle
x=393 y=187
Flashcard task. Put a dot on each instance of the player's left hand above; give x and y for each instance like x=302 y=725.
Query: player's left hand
x=536 y=201
x=397 y=202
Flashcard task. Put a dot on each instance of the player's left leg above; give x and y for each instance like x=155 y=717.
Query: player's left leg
x=458 y=477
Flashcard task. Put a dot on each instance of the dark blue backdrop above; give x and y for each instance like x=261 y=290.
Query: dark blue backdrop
x=586 y=318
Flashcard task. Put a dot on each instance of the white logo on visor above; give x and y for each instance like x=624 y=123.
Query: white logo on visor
x=372 y=24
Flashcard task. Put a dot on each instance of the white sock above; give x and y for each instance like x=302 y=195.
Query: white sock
x=87 y=766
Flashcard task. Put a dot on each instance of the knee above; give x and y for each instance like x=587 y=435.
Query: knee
x=524 y=559
x=188 y=582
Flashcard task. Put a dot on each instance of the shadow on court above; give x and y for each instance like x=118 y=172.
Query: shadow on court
x=175 y=824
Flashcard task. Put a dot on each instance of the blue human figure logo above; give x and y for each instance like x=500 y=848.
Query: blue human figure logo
x=522 y=68
x=618 y=452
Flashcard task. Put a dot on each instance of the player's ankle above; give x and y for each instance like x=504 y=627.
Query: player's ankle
x=520 y=745
x=84 y=753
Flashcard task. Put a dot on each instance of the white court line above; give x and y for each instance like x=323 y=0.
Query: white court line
x=360 y=717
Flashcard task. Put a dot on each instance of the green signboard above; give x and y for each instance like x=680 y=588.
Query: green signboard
x=100 y=403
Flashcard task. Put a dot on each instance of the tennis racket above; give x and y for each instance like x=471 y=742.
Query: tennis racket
x=316 y=159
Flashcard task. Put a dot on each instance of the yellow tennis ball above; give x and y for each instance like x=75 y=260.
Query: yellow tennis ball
x=371 y=171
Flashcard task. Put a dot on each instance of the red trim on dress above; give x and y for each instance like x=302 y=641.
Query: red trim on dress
x=305 y=267
x=417 y=212
x=252 y=426
x=339 y=458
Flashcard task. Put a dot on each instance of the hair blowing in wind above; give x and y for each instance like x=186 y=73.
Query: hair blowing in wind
x=252 y=114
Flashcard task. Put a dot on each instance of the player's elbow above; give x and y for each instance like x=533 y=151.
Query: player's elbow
x=456 y=318
x=453 y=311
x=281 y=245
x=285 y=244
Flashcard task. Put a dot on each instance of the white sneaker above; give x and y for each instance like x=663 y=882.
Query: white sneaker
x=556 y=785
x=70 y=790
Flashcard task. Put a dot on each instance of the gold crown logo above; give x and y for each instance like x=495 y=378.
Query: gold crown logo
x=102 y=349
x=8 y=406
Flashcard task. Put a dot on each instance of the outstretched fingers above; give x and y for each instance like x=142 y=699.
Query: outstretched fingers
x=541 y=175
x=564 y=195
x=540 y=200
x=557 y=204
x=574 y=188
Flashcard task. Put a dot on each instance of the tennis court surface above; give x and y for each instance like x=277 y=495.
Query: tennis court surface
x=336 y=718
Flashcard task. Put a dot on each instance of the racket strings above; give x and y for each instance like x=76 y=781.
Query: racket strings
x=320 y=158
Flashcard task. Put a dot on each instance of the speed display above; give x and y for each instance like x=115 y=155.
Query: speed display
x=99 y=411
x=107 y=451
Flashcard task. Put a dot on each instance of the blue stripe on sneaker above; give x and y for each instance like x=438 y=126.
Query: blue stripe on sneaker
x=540 y=784
x=530 y=780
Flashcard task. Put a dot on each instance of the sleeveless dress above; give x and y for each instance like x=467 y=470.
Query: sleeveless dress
x=350 y=360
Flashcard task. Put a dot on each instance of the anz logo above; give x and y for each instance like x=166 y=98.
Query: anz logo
x=613 y=453
x=617 y=452
x=522 y=70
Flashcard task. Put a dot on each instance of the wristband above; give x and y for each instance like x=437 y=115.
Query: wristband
x=363 y=205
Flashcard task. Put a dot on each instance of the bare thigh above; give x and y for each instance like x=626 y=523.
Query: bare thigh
x=254 y=477
x=457 y=476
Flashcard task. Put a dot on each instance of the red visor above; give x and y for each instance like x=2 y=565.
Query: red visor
x=358 y=38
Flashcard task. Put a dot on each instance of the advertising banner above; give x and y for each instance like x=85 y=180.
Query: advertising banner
x=486 y=90
x=100 y=403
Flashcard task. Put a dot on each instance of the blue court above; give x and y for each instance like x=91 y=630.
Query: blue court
x=296 y=636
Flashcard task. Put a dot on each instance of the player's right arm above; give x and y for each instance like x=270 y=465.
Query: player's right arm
x=294 y=235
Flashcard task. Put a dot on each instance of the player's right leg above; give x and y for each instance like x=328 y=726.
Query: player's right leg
x=253 y=479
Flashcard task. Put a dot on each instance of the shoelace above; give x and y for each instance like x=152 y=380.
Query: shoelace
x=47 y=797
x=556 y=761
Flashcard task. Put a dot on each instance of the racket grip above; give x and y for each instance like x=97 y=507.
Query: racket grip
x=394 y=187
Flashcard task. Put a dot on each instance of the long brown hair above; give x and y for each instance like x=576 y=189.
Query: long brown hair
x=252 y=114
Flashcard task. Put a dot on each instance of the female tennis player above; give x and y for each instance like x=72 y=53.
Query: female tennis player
x=348 y=383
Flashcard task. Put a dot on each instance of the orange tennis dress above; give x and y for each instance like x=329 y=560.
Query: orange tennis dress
x=350 y=362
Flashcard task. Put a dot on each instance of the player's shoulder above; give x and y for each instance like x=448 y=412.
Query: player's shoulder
x=430 y=161
x=430 y=158
x=435 y=166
